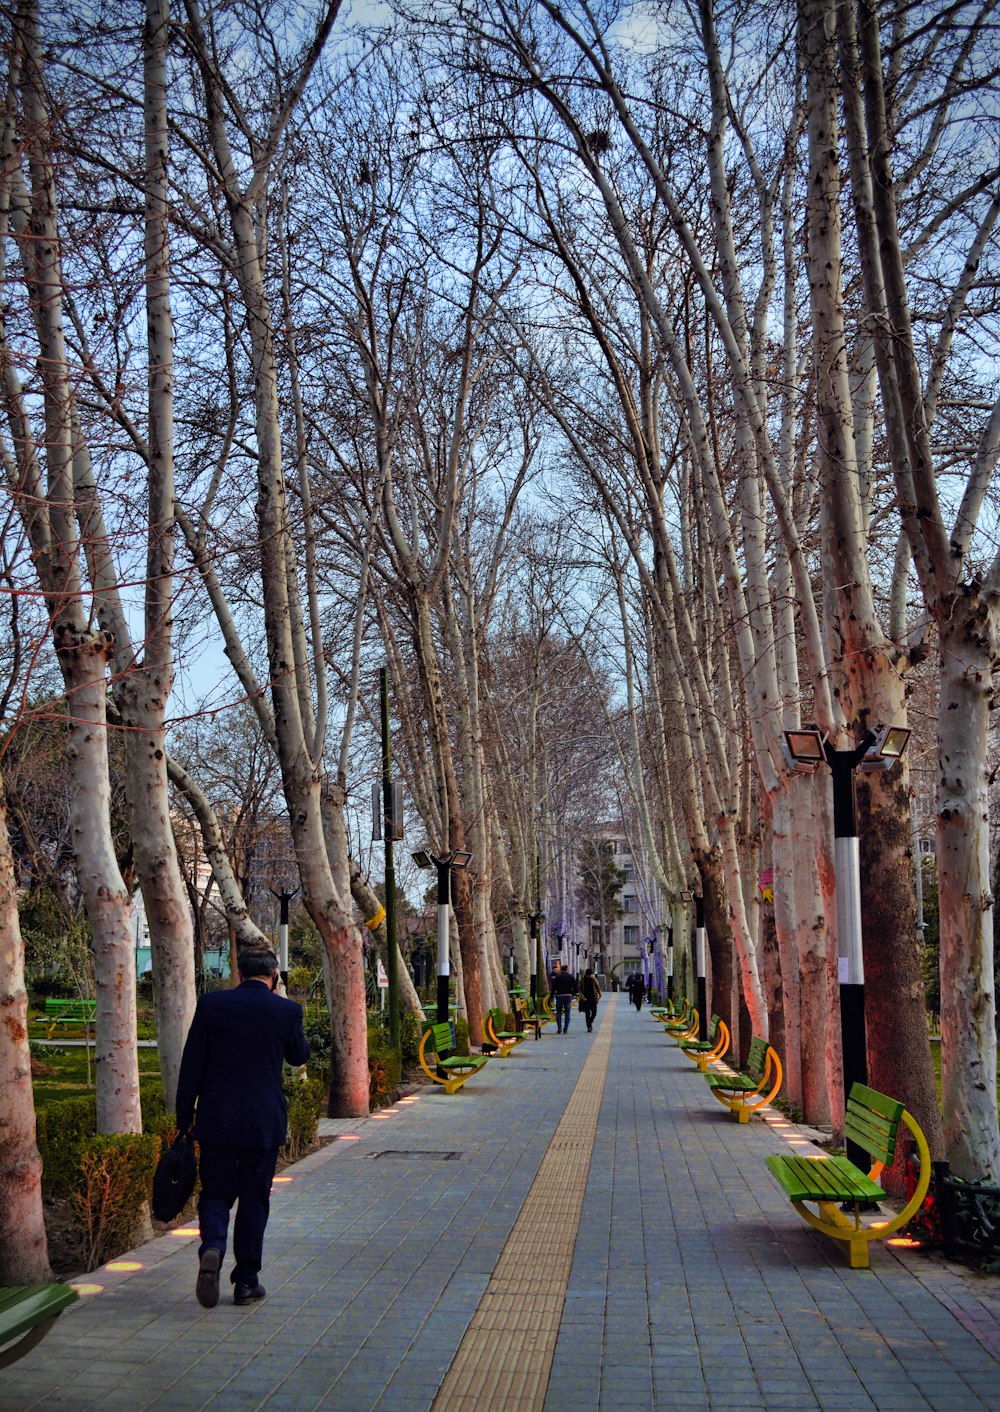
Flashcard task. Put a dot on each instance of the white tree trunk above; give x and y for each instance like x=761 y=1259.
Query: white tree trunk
x=101 y=885
x=24 y=1257
x=968 y=1002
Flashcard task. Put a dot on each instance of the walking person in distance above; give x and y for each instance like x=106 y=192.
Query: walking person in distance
x=229 y=1094
x=564 y=990
x=590 y=994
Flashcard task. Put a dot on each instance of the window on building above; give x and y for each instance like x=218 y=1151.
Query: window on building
x=631 y=936
x=627 y=870
x=630 y=903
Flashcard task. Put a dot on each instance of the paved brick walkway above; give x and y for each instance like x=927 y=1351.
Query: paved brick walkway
x=692 y=1282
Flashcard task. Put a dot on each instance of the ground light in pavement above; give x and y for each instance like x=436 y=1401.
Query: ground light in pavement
x=119 y=1267
x=83 y=1290
x=185 y=1231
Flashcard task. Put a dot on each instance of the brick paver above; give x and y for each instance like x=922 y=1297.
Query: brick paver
x=692 y=1282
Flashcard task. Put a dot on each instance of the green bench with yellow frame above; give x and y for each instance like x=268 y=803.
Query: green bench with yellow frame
x=744 y=1094
x=504 y=1041
x=705 y=1051
x=456 y=1069
x=820 y=1187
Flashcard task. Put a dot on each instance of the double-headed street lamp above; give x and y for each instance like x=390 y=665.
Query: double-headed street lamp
x=806 y=750
x=459 y=858
x=284 y=898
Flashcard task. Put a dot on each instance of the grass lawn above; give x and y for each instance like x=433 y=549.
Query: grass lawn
x=69 y=1076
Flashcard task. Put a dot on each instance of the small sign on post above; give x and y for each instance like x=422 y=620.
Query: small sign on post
x=383 y=983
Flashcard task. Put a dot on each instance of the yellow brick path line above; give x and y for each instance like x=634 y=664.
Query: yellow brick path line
x=505 y=1358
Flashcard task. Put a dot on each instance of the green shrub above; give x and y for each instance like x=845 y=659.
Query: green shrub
x=410 y=1031
x=461 y=1036
x=115 y=1182
x=63 y=1130
x=59 y=987
x=155 y=1118
x=317 y=1032
x=305 y=1103
x=300 y=980
x=384 y=1066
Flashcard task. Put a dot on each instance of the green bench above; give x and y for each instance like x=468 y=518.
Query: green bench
x=456 y=1069
x=685 y=1027
x=705 y=1051
x=495 y=1036
x=27 y=1312
x=743 y=1094
x=873 y=1121
x=68 y=1012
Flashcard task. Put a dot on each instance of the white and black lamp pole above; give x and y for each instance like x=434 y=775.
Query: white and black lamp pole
x=460 y=858
x=700 y=966
x=806 y=750
x=284 y=898
x=850 y=957
x=534 y=918
x=670 y=963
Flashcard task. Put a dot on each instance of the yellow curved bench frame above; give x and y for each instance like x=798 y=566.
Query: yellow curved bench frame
x=686 y=1029
x=549 y=1006
x=503 y=1046
x=746 y=1102
x=711 y=1055
x=672 y=1016
x=451 y=1082
x=837 y=1224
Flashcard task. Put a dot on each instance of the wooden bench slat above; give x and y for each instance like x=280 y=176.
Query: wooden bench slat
x=736 y=1083
x=823 y=1179
x=890 y=1108
x=22 y=1307
x=876 y=1143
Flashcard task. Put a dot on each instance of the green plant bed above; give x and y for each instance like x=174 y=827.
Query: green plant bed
x=70 y=1077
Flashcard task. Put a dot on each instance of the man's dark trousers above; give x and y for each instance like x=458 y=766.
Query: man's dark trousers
x=242 y=1174
x=564 y=1004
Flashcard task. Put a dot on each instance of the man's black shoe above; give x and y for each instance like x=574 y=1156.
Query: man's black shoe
x=207 y=1288
x=246 y=1294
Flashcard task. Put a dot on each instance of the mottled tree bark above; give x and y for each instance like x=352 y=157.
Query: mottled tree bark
x=24 y=1257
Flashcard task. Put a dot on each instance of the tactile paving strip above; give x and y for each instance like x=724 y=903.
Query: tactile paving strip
x=506 y=1354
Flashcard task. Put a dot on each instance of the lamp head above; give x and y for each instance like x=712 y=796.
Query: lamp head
x=888 y=746
x=422 y=858
x=803 y=749
x=461 y=858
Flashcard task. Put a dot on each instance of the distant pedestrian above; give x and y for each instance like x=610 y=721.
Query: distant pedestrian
x=564 y=989
x=590 y=994
x=636 y=987
x=231 y=1071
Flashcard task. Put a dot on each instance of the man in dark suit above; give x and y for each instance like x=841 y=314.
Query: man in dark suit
x=231 y=1069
